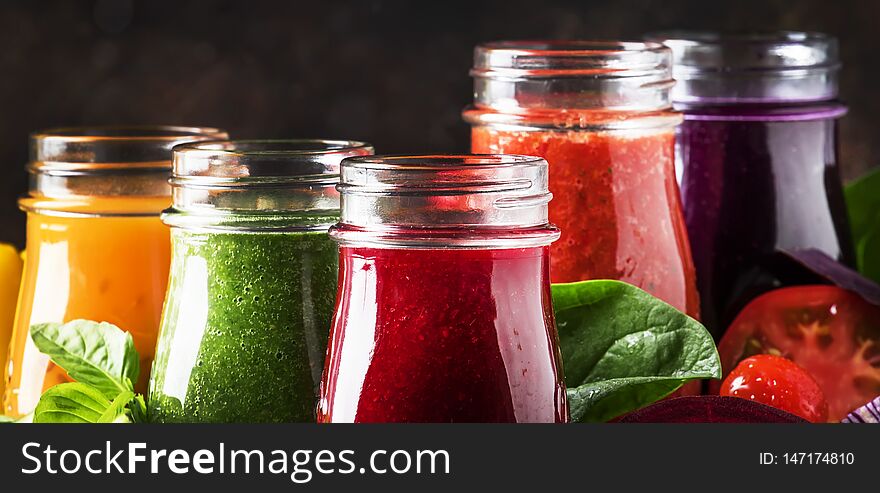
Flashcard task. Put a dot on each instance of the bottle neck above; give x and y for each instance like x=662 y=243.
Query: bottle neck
x=305 y=202
x=453 y=201
x=752 y=68
x=105 y=170
x=763 y=112
x=259 y=185
x=461 y=238
x=572 y=85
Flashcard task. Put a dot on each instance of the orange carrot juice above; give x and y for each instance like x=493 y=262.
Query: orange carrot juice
x=96 y=250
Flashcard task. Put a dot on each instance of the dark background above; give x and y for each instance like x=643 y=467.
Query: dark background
x=391 y=72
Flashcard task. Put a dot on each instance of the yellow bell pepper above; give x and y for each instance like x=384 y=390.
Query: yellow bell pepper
x=10 y=280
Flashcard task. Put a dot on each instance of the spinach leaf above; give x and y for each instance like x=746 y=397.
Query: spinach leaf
x=868 y=252
x=97 y=354
x=71 y=403
x=623 y=349
x=863 y=204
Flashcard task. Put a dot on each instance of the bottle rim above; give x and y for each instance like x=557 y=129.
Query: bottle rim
x=571 y=58
x=71 y=151
x=444 y=201
x=250 y=162
x=421 y=175
x=752 y=66
x=700 y=52
x=440 y=162
x=558 y=83
x=267 y=185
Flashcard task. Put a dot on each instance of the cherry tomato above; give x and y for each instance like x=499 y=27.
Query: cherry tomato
x=777 y=382
x=830 y=332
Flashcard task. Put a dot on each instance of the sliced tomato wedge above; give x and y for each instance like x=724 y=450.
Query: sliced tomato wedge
x=832 y=333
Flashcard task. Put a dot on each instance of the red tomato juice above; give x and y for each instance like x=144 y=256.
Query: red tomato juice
x=616 y=202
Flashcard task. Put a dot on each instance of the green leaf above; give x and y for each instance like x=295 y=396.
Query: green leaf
x=6 y=419
x=868 y=253
x=97 y=354
x=863 y=205
x=623 y=349
x=73 y=402
x=117 y=412
x=138 y=409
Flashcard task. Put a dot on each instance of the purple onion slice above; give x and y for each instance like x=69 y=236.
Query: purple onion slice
x=869 y=413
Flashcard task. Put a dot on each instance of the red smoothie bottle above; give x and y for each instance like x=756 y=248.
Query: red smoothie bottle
x=443 y=311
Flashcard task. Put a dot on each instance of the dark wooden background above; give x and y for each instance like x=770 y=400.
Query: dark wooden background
x=391 y=72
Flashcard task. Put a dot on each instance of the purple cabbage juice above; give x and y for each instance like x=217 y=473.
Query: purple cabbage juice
x=758 y=179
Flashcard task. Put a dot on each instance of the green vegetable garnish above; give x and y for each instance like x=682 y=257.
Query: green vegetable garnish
x=103 y=361
x=863 y=204
x=623 y=349
x=97 y=354
x=80 y=403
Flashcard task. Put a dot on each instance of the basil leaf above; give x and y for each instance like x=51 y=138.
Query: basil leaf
x=117 y=411
x=73 y=402
x=139 y=409
x=863 y=205
x=96 y=354
x=623 y=348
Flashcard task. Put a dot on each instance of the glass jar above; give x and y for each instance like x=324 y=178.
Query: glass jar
x=253 y=281
x=758 y=158
x=443 y=312
x=96 y=248
x=600 y=114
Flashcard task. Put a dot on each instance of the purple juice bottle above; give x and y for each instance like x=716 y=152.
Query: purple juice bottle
x=757 y=159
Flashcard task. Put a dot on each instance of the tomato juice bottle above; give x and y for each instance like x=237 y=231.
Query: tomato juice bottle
x=443 y=311
x=600 y=114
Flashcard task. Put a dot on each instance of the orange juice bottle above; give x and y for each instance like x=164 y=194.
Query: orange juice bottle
x=96 y=247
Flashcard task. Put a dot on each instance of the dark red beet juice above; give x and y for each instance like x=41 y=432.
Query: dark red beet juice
x=444 y=311
x=757 y=154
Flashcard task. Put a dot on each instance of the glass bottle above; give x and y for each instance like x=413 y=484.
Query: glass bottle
x=253 y=281
x=443 y=312
x=96 y=248
x=758 y=158
x=600 y=114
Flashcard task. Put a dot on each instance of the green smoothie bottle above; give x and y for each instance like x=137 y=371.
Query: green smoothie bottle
x=253 y=281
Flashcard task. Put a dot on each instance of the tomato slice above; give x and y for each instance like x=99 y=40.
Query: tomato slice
x=832 y=333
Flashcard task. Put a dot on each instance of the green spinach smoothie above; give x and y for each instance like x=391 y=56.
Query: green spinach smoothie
x=245 y=327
